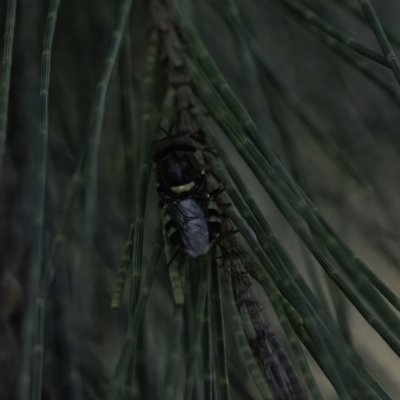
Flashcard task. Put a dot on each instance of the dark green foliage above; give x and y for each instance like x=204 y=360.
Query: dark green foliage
x=298 y=296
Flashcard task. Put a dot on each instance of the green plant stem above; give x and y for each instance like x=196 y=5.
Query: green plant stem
x=291 y=200
x=279 y=304
x=327 y=145
x=246 y=209
x=195 y=348
x=208 y=346
x=217 y=318
x=259 y=275
x=380 y=34
x=129 y=348
x=34 y=324
x=242 y=343
x=229 y=10
x=6 y=74
x=336 y=294
x=298 y=292
x=122 y=271
x=44 y=133
x=141 y=183
x=77 y=183
x=270 y=246
x=362 y=68
x=146 y=135
x=174 y=343
x=344 y=5
x=97 y=124
x=130 y=98
x=310 y=17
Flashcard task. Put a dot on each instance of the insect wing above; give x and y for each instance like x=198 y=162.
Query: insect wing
x=191 y=222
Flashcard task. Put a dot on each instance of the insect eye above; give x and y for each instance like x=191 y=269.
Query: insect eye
x=182 y=188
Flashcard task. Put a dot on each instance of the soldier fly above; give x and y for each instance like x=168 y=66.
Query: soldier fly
x=192 y=220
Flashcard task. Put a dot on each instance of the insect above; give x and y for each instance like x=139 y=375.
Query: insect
x=192 y=220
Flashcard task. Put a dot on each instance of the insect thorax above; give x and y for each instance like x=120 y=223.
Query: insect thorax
x=178 y=168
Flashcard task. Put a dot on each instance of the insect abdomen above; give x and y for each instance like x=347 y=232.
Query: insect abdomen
x=213 y=230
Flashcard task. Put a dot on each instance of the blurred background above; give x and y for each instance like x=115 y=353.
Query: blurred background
x=330 y=114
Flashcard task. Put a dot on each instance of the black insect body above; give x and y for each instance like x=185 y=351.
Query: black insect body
x=191 y=221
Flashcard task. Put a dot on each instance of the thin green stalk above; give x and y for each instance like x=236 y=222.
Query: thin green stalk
x=338 y=299
x=310 y=17
x=218 y=81
x=130 y=130
x=6 y=74
x=341 y=310
x=369 y=316
x=218 y=331
x=340 y=50
x=362 y=68
x=278 y=303
x=34 y=328
x=344 y=355
x=208 y=350
x=75 y=358
x=146 y=135
x=195 y=349
x=272 y=248
x=290 y=199
x=174 y=274
x=241 y=129
x=295 y=169
x=380 y=34
x=141 y=182
x=214 y=383
x=174 y=344
x=344 y=5
x=229 y=10
x=249 y=73
x=291 y=156
x=342 y=252
x=260 y=277
x=44 y=133
x=263 y=230
x=238 y=30
x=327 y=145
x=130 y=99
x=77 y=183
x=129 y=348
x=122 y=272
x=97 y=123
x=243 y=345
x=296 y=292
x=288 y=383
x=336 y=294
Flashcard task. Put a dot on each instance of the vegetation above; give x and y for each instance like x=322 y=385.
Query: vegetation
x=293 y=107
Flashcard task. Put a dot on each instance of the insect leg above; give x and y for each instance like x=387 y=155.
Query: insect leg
x=173 y=257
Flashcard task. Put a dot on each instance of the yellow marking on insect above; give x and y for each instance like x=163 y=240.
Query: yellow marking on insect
x=182 y=188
